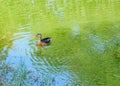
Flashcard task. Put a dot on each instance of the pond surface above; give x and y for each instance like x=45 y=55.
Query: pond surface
x=85 y=46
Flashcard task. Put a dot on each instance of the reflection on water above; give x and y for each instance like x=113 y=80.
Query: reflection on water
x=24 y=49
x=85 y=41
x=98 y=43
x=20 y=48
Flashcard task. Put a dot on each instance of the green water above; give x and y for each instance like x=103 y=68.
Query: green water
x=85 y=47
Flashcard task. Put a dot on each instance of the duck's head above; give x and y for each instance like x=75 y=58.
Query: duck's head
x=39 y=35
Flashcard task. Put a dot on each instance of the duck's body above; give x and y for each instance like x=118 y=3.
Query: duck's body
x=44 y=41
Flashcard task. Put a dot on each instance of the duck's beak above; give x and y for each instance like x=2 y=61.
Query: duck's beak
x=37 y=36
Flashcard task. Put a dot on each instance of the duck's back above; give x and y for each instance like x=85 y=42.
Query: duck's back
x=46 y=40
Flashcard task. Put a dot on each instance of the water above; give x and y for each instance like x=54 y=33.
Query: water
x=85 y=41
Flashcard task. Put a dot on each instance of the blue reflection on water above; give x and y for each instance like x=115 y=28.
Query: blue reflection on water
x=23 y=50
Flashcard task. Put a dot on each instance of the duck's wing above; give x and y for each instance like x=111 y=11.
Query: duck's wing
x=46 y=40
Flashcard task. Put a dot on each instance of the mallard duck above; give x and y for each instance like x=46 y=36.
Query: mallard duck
x=43 y=41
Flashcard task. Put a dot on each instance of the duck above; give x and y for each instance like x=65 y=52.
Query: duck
x=42 y=41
